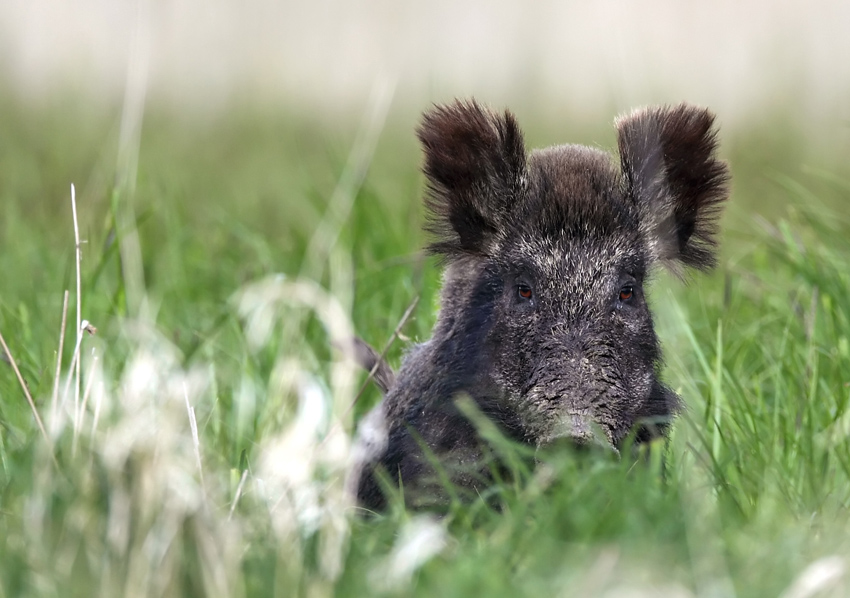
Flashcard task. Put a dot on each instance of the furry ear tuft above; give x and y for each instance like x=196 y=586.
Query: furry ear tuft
x=668 y=157
x=475 y=164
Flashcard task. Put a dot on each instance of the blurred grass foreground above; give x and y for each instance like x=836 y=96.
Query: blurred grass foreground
x=202 y=447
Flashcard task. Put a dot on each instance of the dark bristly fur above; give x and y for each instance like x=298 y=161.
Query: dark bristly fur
x=687 y=186
x=543 y=320
x=475 y=165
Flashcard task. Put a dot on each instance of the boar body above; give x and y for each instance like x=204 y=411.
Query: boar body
x=543 y=320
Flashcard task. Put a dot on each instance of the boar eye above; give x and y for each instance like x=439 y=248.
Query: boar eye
x=524 y=291
x=626 y=292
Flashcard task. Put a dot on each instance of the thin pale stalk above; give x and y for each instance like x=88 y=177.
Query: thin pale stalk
x=29 y=399
x=89 y=384
x=194 y=425
x=55 y=397
x=79 y=254
x=387 y=346
x=238 y=493
x=67 y=389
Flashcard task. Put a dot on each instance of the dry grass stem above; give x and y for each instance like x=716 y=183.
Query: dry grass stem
x=74 y=362
x=393 y=336
x=71 y=368
x=238 y=494
x=79 y=255
x=29 y=399
x=55 y=397
x=195 y=440
x=89 y=384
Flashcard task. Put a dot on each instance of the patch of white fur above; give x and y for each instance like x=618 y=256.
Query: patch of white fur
x=372 y=441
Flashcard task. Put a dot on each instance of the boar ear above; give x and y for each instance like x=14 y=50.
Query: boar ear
x=673 y=175
x=475 y=165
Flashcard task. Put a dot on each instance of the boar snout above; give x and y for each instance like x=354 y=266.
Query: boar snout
x=579 y=433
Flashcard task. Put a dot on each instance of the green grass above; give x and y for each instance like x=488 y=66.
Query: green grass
x=753 y=488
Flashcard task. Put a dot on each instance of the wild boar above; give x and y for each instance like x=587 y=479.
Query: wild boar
x=544 y=322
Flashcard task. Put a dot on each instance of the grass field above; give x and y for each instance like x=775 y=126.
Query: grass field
x=218 y=277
